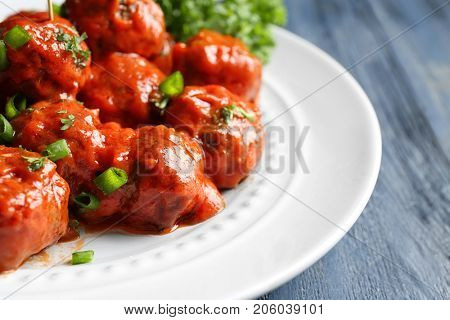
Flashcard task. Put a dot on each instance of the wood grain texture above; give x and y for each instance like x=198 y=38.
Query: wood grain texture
x=406 y=226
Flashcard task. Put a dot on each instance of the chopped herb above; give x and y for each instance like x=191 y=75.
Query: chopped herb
x=82 y=257
x=171 y=87
x=4 y=62
x=60 y=10
x=67 y=122
x=229 y=112
x=35 y=164
x=57 y=150
x=17 y=37
x=72 y=45
x=87 y=201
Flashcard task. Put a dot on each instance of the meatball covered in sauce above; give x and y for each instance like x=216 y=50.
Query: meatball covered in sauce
x=52 y=59
x=33 y=207
x=229 y=128
x=166 y=185
x=212 y=58
x=129 y=26
x=171 y=188
x=121 y=86
x=164 y=60
x=93 y=148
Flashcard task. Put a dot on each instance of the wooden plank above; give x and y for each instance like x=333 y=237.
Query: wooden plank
x=406 y=226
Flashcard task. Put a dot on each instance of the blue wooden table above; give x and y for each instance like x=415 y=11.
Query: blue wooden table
x=406 y=226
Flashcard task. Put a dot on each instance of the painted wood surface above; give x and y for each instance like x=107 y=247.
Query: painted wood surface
x=406 y=226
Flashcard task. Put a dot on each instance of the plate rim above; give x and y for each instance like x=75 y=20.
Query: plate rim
x=296 y=269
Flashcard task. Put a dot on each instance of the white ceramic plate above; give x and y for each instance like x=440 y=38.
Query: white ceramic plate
x=277 y=223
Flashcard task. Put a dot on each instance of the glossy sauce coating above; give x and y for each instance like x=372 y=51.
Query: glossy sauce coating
x=33 y=207
x=164 y=60
x=233 y=148
x=42 y=68
x=159 y=194
x=171 y=188
x=212 y=58
x=94 y=147
x=129 y=26
x=121 y=86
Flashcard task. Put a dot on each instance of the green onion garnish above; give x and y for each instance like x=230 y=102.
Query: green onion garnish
x=6 y=130
x=111 y=180
x=82 y=257
x=15 y=105
x=59 y=10
x=35 y=164
x=68 y=122
x=87 y=201
x=4 y=62
x=173 y=85
x=17 y=37
x=57 y=150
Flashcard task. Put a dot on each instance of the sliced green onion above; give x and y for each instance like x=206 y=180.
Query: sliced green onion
x=82 y=257
x=15 y=105
x=87 y=201
x=111 y=180
x=57 y=9
x=17 y=37
x=6 y=130
x=4 y=62
x=57 y=150
x=173 y=85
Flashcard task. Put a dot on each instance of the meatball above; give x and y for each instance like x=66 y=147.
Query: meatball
x=161 y=191
x=171 y=188
x=54 y=61
x=164 y=61
x=92 y=152
x=212 y=58
x=229 y=128
x=129 y=26
x=121 y=86
x=33 y=207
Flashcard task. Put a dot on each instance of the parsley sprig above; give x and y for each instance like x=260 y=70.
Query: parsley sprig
x=248 y=20
x=72 y=45
x=229 y=112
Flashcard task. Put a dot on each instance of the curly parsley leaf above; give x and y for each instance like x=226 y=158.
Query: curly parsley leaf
x=248 y=20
